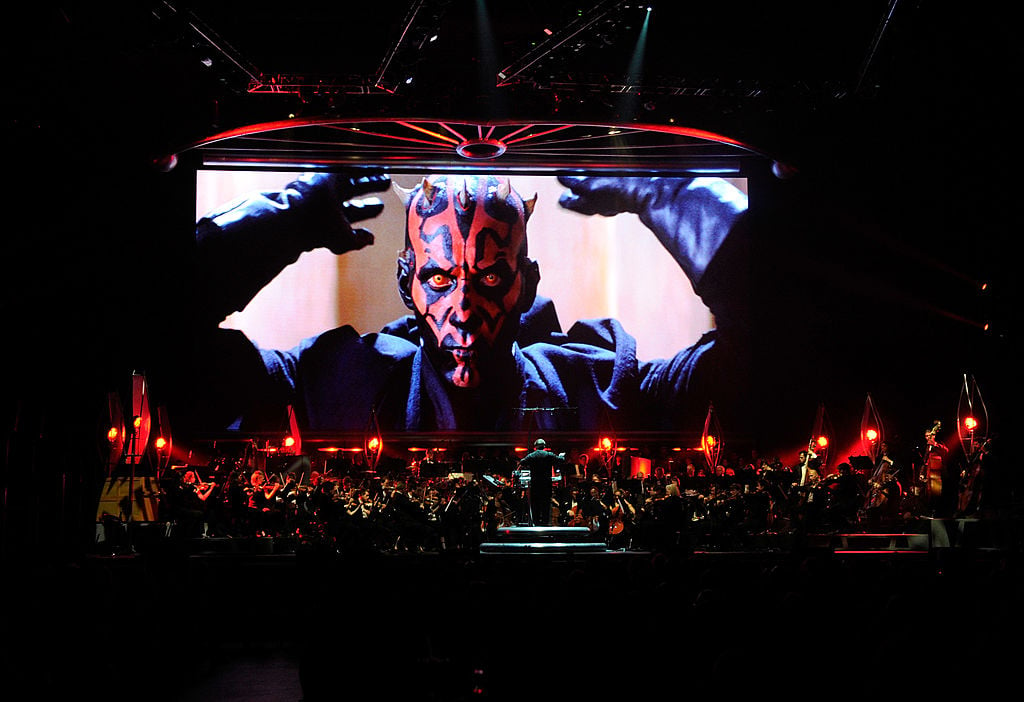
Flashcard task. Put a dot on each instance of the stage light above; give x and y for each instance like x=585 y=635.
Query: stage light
x=289 y=441
x=822 y=442
x=710 y=441
x=970 y=423
x=112 y=434
x=871 y=435
x=160 y=443
x=137 y=422
x=606 y=443
x=373 y=444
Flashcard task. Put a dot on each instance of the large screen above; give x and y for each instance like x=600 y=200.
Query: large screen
x=591 y=267
x=618 y=337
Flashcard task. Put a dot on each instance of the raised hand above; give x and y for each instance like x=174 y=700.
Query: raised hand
x=691 y=217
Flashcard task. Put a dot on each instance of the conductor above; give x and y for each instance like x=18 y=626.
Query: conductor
x=540 y=463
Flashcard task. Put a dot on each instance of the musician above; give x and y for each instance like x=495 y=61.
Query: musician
x=806 y=507
x=541 y=463
x=201 y=490
x=185 y=502
x=621 y=519
x=578 y=472
x=595 y=511
x=882 y=485
x=572 y=508
x=807 y=469
x=972 y=482
x=669 y=519
x=694 y=479
x=934 y=476
x=846 y=496
x=262 y=503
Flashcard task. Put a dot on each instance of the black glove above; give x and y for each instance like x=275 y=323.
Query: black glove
x=691 y=217
x=242 y=246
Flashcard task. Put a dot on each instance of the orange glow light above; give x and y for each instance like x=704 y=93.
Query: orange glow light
x=710 y=441
x=871 y=435
x=137 y=422
x=289 y=441
x=160 y=443
x=606 y=443
x=822 y=441
x=970 y=423
x=113 y=434
x=374 y=444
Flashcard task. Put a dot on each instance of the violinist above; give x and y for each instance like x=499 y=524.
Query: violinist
x=262 y=504
x=185 y=498
x=201 y=490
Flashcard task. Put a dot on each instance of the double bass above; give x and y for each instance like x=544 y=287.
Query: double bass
x=931 y=469
x=971 y=479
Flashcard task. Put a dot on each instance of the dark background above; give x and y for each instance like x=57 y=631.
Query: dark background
x=896 y=120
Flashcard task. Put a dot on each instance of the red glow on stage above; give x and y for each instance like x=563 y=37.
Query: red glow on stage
x=871 y=435
x=373 y=444
x=160 y=443
x=605 y=444
x=970 y=423
x=137 y=422
x=113 y=434
x=289 y=441
x=822 y=442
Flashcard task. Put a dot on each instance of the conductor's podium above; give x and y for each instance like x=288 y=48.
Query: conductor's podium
x=553 y=539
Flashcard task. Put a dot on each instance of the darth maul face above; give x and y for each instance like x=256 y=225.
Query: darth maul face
x=465 y=272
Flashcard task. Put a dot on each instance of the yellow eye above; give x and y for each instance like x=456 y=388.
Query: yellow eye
x=439 y=281
x=490 y=279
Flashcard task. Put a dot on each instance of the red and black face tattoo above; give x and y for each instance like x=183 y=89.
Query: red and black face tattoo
x=465 y=271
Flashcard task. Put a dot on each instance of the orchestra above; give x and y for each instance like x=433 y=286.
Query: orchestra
x=432 y=505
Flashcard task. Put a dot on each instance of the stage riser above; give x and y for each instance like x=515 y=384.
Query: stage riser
x=974 y=533
x=883 y=542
